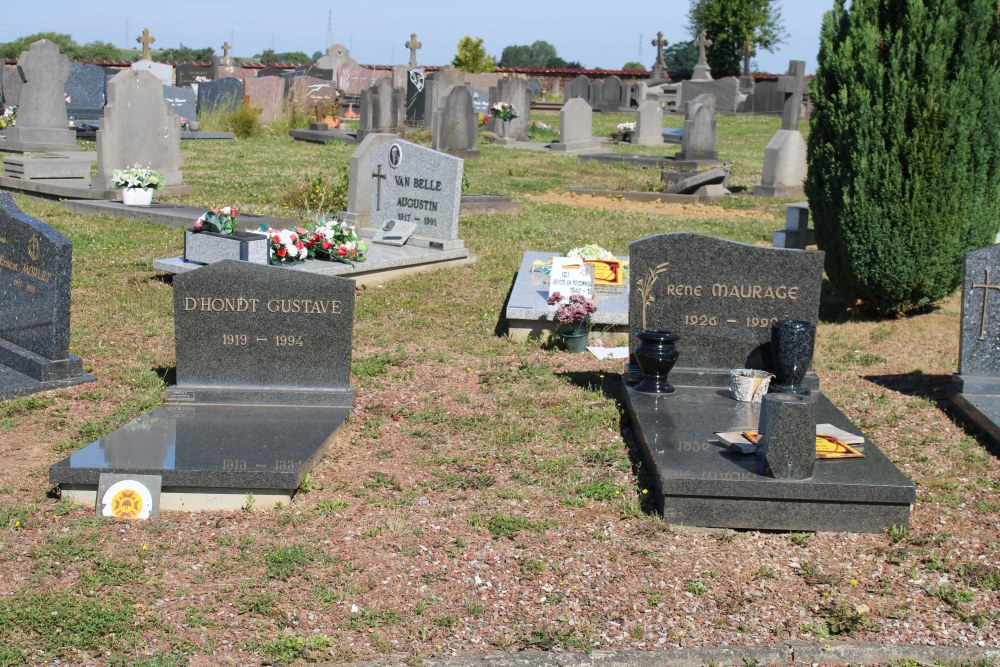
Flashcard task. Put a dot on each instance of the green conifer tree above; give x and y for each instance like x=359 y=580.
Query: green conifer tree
x=904 y=146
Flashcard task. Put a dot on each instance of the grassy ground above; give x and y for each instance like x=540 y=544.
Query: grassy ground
x=471 y=457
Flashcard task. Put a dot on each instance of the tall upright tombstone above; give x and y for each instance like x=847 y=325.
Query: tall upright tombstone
x=576 y=129
x=42 y=121
x=437 y=87
x=698 y=141
x=162 y=71
x=359 y=185
x=513 y=90
x=85 y=88
x=613 y=95
x=702 y=72
x=36 y=264
x=720 y=298
x=415 y=94
x=336 y=55
x=785 y=165
x=456 y=126
x=976 y=393
x=578 y=87
x=220 y=95
x=263 y=383
x=266 y=94
x=416 y=185
x=648 y=124
x=139 y=128
x=381 y=109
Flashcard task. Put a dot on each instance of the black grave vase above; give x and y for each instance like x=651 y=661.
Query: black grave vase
x=656 y=356
x=792 y=343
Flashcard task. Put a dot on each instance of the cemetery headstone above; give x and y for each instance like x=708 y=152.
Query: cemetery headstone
x=726 y=92
x=698 y=141
x=648 y=124
x=613 y=95
x=139 y=128
x=266 y=94
x=381 y=109
x=42 y=121
x=415 y=80
x=307 y=91
x=702 y=72
x=721 y=298
x=416 y=184
x=413 y=45
x=35 y=272
x=336 y=55
x=11 y=84
x=578 y=87
x=359 y=185
x=513 y=90
x=576 y=128
x=976 y=393
x=221 y=95
x=785 y=154
x=188 y=74
x=85 y=87
x=437 y=87
x=183 y=101
x=659 y=72
x=252 y=342
x=480 y=100
x=456 y=127
x=352 y=78
x=162 y=71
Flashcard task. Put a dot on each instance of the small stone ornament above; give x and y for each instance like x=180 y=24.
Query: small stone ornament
x=394 y=232
x=792 y=343
x=656 y=356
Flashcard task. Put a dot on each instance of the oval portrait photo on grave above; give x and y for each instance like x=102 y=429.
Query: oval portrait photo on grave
x=395 y=155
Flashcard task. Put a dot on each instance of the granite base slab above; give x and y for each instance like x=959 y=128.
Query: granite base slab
x=698 y=481
x=628 y=195
x=59 y=189
x=384 y=263
x=13 y=383
x=529 y=315
x=206 y=136
x=981 y=412
x=169 y=215
x=246 y=447
x=324 y=136
x=784 y=192
x=645 y=161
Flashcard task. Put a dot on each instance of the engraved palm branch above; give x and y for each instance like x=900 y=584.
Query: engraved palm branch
x=644 y=286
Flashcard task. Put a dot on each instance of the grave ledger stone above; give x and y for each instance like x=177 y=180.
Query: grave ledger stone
x=42 y=121
x=976 y=387
x=722 y=298
x=263 y=382
x=35 y=272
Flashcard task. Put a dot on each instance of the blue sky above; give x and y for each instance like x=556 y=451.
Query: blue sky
x=597 y=34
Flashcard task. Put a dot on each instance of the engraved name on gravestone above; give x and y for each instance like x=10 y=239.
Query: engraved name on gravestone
x=979 y=363
x=245 y=325
x=720 y=296
x=416 y=184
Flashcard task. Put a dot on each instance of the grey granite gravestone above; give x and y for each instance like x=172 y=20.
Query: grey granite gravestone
x=726 y=92
x=162 y=71
x=42 y=121
x=417 y=184
x=649 y=124
x=221 y=95
x=613 y=94
x=85 y=87
x=381 y=109
x=183 y=101
x=139 y=128
x=578 y=87
x=785 y=154
x=721 y=297
x=267 y=95
x=576 y=129
x=437 y=87
x=263 y=382
x=514 y=91
x=36 y=265
x=698 y=140
x=336 y=55
x=456 y=127
x=976 y=387
x=359 y=184
x=10 y=84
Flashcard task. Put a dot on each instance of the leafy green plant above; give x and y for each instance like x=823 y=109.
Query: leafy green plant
x=285 y=562
x=244 y=122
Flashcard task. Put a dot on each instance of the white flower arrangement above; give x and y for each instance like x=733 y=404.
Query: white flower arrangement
x=590 y=251
x=137 y=177
x=626 y=127
x=286 y=246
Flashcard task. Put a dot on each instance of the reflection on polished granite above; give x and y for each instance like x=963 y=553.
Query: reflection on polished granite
x=219 y=446
x=698 y=481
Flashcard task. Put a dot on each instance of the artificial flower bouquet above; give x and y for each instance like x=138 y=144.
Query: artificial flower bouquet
x=142 y=178
x=335 y=241
x=218 y=220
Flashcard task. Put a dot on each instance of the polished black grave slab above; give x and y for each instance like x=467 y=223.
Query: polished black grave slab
x=210 y=446
x=698 y=481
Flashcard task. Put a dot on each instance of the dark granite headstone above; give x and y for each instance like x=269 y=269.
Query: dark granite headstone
x=222 y=95
x=415 y=97
x=183 y=100
x=241 y=325
x=721 y=297
x=35 y=273
x=85 y=87
x=270 y=71
x=185 y=74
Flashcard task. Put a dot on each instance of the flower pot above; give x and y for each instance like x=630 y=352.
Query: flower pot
x=575 y=339
x=792 y=343
x=748 y=384
x=137 y=196
x=656 y=356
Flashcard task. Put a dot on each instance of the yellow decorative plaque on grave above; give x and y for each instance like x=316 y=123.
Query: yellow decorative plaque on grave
x=127 y=499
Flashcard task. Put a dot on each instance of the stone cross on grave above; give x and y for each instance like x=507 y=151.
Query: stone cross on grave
x=379 y=176
x=146 y=40
x=660 y=44
x=413 y=45
x=226 y=46
x=793 y=85
x=703 y=42
x=986 y=287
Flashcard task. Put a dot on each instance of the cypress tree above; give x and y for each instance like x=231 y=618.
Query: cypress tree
x=904 y=146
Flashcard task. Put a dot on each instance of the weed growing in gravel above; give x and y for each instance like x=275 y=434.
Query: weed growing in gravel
x=843 y=619
x=285 y=562
x=800 y=539
x=503 y=525
x=695 y=587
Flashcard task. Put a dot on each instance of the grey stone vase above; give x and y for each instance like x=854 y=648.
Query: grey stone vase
x=792 y=343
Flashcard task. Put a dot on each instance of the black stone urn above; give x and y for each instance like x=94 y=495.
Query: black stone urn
x=656 y=356
x=792 y=343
